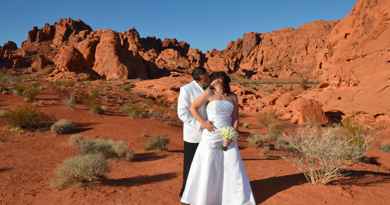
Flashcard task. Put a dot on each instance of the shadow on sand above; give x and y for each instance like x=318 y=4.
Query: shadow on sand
x=266 y=188
x=362 y=178
x=143 y=157
x=4 y=169
x=139 y=180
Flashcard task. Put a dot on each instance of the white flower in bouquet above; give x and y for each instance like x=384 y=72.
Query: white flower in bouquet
x=228 y=133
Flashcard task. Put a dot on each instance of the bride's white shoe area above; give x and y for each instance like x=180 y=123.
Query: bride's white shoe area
x=217 y=177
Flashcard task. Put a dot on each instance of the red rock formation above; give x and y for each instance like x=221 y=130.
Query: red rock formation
x=356 y=61
x=280 y=54
x=69 y=59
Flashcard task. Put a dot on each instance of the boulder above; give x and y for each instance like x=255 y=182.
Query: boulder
x=307 y=111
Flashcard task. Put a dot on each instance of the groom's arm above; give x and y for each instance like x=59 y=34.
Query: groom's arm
x=183 y=107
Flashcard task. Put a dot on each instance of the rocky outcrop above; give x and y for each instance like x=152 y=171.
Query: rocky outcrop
x=69 y=59
x=286 y=53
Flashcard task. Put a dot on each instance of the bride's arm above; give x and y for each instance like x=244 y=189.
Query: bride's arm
x=199 y=102
x=235 y=114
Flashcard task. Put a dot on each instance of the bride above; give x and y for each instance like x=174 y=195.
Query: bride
x=217 y=177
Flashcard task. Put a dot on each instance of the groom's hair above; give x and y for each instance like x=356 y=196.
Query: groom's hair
x=198 y=72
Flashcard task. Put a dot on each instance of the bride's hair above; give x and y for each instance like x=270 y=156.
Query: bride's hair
x=225 y=80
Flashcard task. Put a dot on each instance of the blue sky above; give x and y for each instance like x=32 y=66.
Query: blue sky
x=205 y=24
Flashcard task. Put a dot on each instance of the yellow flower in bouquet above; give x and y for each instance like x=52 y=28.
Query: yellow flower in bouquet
x=228 y=134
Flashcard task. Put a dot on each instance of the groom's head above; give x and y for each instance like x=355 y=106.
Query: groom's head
x=201 y=76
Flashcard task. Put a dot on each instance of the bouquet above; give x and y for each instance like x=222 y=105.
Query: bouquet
x=228 y=134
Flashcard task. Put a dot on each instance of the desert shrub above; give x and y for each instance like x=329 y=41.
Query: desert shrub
x=92 y=101
x=80 y=170
x=255 y=140
x=246 y=125
x=159 y=143
x=5 y=90
x=321 y=153
x=357 y=136
x=64 y=126
x=31 y=92
x=283 y=144
x=108 y=148
x=4 y=77
x=127 y=87
x=29 y=118
x=275 y=127
x=97 y=109
x=19 y=89
x=74 y=140
x=70 y=101
x=3 y=113
x=28 y=92
x=134 y=110
x=385 y=148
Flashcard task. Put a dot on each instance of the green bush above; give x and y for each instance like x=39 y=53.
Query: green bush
x=134 y=111
x=19 y=89
x=30 y=93
x=385 y=148
x=92 y=101
x=80 y=170
x=28 y=118
x=256 y=141
x=64 y=126
x=3 y=113
x=127 y=87
x=106 y=147
x=159 y=143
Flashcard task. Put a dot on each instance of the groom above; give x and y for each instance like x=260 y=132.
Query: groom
x=191 y=128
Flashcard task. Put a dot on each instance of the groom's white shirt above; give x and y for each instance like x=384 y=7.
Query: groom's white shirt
x=191 y=128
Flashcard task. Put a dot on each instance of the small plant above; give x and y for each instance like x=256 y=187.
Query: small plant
x=31 y=92
x=19 y=89
x=321 y=153
x=159 y=143
x=274 y=126
x=385 y=148
x=4 y=90
x=62 y=87
x=282 y=144
x=4 y=78
x=256 y=141
x=97 y=109
x=91 y=100
x=108 y=148
x=246 y=125
x=357 y=136
x=28 y=118
x=3 y=113
x=74 y=140
x=127 y=87
x=70 y=101
x=134 y=111
x=80 y=170
x=64 y=126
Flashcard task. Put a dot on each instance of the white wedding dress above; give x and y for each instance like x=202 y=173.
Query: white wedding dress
x=217 y=177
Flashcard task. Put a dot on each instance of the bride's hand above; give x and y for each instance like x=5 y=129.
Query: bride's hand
x=208 y=125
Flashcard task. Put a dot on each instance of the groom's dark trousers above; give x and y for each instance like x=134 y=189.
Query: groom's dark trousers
x=189 y=152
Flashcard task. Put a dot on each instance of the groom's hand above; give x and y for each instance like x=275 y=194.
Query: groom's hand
x=208 y=125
